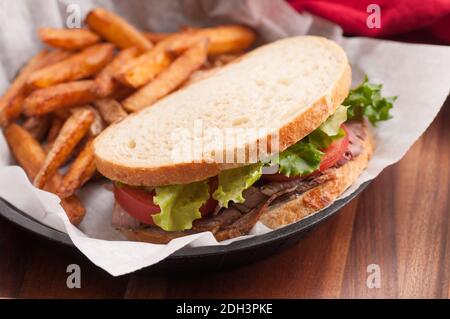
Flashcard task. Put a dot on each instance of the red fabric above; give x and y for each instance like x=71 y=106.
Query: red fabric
x=397 y=16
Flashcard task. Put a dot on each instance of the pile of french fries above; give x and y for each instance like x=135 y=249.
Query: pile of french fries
x=93 y=77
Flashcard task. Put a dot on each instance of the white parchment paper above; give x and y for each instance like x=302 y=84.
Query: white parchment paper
x=418 y=74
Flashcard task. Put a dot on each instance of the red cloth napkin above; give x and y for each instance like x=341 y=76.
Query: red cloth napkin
x=420 y=19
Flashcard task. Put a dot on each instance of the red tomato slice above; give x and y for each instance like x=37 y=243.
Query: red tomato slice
x=139 y=203
x=332 y=154
x=335 y=151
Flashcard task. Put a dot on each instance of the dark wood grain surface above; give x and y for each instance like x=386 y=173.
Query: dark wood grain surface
x=401 y=222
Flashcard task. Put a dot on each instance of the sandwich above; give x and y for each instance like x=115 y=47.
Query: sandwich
x=274 y=136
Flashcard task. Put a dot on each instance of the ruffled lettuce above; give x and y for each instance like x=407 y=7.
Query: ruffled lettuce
x=304 y=157
x=232 y=182
x=180 y=205
x=366 y=101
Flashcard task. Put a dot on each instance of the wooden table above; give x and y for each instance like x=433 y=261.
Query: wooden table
x=401 y=223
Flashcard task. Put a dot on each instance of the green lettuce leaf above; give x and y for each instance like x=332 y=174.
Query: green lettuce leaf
x=180 y=205
x=332 y=125
x=304 y=157
x=232 y=182
x=366 y=100
x=300 y=159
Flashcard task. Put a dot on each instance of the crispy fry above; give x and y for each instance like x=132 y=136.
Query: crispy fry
x=55 y=56
x=59 y=97
x=37 y=126
x=74 y=209
x=62 y=113
x=79 y=66
x=228 y=38
x=81 y=170
x=25 y=148
x=179 y=42
x=222 y=39
x=156 y=37
x=71 y=133
x=105 y=84
x=171 y=78
x=30 y=155
x=55 y=127
x=98 y=125
x=122 y=93
x=144 y=68
x=11 y=101
x=110 y=110
x=116 y=30
x=68 y=39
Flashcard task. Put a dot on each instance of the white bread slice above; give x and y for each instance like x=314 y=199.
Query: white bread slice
x=290 y=86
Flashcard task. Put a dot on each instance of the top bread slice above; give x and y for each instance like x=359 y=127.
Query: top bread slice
x=288 y=87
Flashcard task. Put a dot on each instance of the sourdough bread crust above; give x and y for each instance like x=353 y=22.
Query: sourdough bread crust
x=182 y=173
x=323 y=195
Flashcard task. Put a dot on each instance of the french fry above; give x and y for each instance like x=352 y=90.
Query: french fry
x=228 y=38
x=74 y=209
x=156 y=37
x=98 y=125
x=55 y=127
x=37 y=126
x=105 y=84
x=68 y=39
x=55 y=56
x=110 y=110
x=116 y=30
x=80 y=171
x=11 y=101
x=30 y=156
x=71 y=133
x=62 y=113
x=144 y=68
x=78 y=66
x=58 y=97
x=122 y=93
x=168 y=80
x=222 y=39
x=25 y=149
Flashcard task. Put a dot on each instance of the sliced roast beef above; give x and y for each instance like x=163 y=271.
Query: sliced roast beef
x=253 y=197
x=121 y=219
x=226 y=217
x=356 y=134
x=244 y=224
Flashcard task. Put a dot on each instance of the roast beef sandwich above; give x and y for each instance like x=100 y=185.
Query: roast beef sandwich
x=274 y=136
